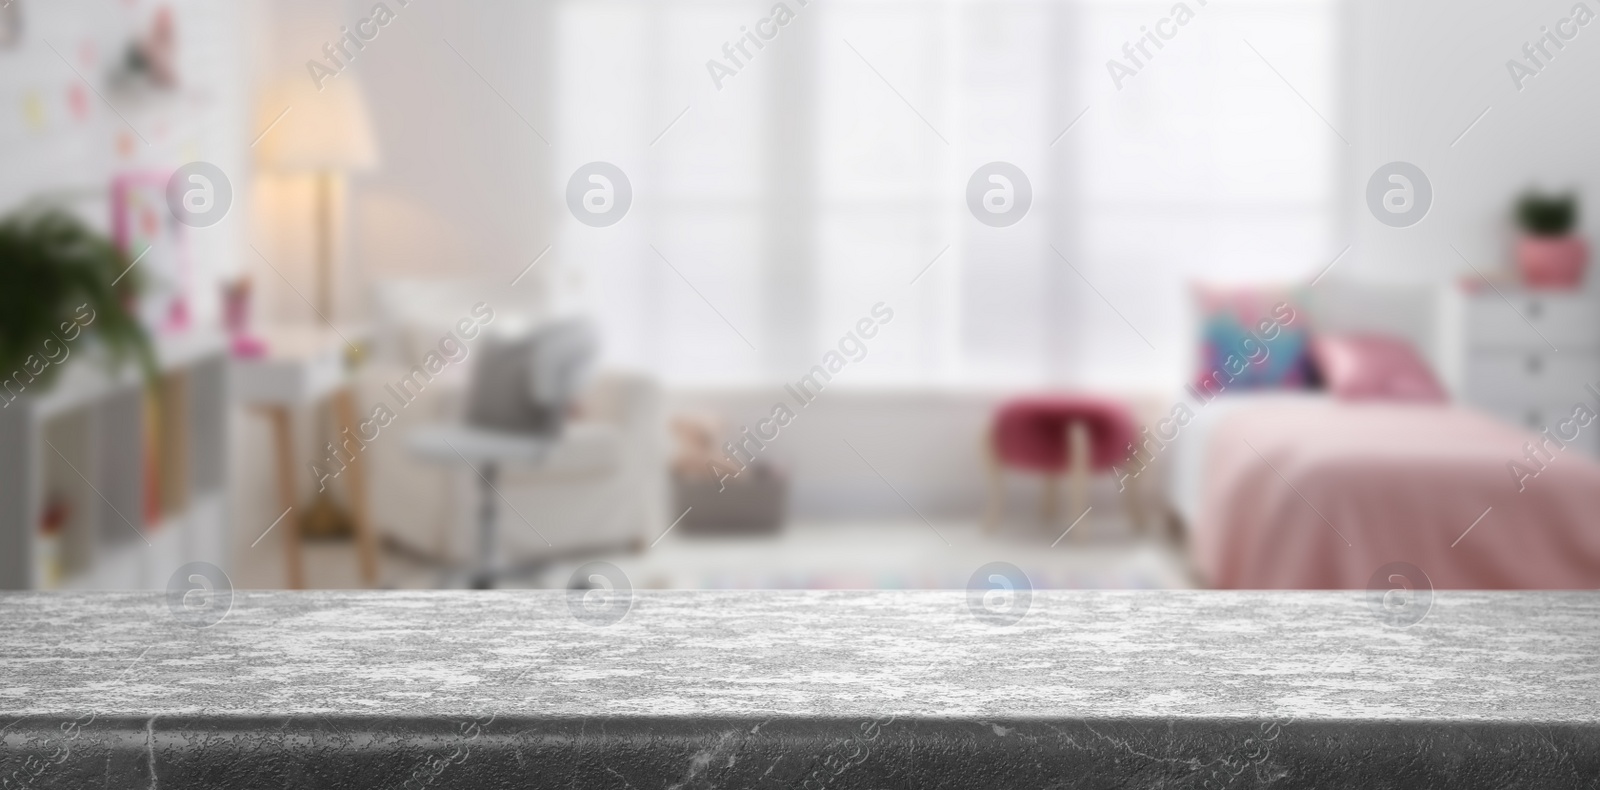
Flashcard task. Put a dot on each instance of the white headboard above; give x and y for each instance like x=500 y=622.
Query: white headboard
x=1427 y=314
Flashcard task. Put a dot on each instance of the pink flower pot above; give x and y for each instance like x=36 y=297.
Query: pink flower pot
x=1552 y=261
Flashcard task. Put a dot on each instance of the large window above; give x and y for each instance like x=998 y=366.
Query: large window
x=830 y=166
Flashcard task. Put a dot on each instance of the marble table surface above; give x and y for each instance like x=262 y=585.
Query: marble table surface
x=799 y=689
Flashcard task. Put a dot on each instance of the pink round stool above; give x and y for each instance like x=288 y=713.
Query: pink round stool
x=1054 y=435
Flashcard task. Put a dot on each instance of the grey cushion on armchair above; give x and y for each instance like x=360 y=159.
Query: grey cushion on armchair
x=526 y=383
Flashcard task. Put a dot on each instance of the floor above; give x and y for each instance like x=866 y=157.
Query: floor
x=886 y=554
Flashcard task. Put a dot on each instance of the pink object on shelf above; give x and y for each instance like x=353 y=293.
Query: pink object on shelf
x=178 y=315
x=1031 y=433
x=248 y=347
x=1374 y=367
x=1552 y=261
x=236 y=306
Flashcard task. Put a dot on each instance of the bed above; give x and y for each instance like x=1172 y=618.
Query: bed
x=1300 y=490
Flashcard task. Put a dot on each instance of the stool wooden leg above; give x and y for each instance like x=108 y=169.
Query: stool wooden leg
x=1078 y=459
x=1052 y=497
x=356 y=485
x=997 y=487
x=1136 y=504
x=283 y=449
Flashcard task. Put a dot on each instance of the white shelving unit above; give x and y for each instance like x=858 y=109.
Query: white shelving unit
x=83 y=443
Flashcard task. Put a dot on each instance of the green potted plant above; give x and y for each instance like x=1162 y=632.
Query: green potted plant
x=1549 y=254
x=59 y=279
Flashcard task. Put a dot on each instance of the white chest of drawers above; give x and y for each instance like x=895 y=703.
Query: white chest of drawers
x=1528 y=362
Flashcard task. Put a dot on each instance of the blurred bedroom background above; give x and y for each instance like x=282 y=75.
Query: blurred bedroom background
x=799 y=294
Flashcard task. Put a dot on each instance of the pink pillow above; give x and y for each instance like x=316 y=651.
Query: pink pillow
x=1374 y=367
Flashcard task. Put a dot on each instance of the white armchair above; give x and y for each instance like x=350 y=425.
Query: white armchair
x=603 y=487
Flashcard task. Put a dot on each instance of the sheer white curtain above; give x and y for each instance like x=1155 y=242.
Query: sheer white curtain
x=824 y=175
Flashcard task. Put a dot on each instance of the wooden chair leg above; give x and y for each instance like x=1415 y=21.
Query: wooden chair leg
x=356 y=486
x=997 y=488
x=283 y=449
x=1078 y=466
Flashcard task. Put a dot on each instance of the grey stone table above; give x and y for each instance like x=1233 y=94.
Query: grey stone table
x=799 y=690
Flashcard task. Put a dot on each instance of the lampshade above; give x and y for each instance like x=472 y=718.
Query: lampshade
x=322 y=130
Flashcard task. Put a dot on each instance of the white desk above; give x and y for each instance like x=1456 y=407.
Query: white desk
x=304 y=365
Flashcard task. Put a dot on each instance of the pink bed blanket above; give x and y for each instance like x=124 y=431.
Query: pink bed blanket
x=1319 y=496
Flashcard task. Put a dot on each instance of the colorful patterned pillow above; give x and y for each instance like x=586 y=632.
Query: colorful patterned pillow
x=1252 y=340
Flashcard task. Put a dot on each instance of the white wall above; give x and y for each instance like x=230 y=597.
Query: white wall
x=1419 y=73
x=465 y=186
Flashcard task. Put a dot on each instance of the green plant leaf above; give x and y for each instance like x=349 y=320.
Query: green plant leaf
x=51 y=266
